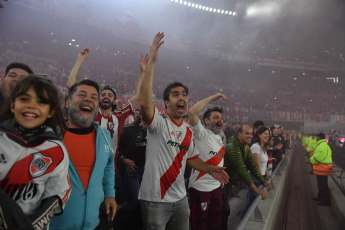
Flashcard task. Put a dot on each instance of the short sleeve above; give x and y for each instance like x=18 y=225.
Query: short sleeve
x=157 y=124
x=255 y=149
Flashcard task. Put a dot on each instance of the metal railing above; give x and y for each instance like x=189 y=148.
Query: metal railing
x=254 y=206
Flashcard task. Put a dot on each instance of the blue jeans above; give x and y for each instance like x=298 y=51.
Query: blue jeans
x=131 y=184
x=251 y=195
x=164 y=215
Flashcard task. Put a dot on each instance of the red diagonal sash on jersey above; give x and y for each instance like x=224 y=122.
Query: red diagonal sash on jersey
x=174 y=170
x=215 y=160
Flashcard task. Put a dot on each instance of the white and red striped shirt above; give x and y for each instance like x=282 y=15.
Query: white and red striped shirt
x=169 y=146
x=211 y=149
x=31 y=174
x=114 y=123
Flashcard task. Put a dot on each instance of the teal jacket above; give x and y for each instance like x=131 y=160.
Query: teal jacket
x=238 y=160
x=82 y=208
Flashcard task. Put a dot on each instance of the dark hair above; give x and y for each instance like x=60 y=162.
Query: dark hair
x=259 y=131
x=171 y=86
x=257 y=124
x=19 y=66
x=321 y=135
x=47 y=92
x=208 y=112
x=88 y=82
x=107 y=87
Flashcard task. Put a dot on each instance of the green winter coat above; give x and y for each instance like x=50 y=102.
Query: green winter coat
x=238 y=160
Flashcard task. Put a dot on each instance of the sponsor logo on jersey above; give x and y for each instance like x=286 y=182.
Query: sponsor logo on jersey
x=43 y=221
x=172 y=133
x=2 y=158
x=39 y=164
x=204 y=206
x=106 y=148
x=216 y=154
x=16 y=191
x=179 y=135
x=177 y=145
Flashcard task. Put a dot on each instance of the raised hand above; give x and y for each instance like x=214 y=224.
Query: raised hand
x=83 y=54
x=143 y=62
x=157 y=42
x=218 y=95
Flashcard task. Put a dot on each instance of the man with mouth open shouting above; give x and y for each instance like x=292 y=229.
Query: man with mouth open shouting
x=170 y=146
x=205 y=192
x=108 y=116
x=91 y=165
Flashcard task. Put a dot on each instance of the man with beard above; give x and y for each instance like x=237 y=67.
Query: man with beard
x=205 y=193
x=13 y=74
x=238 y=160
x=108 y=116
x=170 y=146
x=91 y=165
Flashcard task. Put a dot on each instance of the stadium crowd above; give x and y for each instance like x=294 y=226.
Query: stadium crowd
x=103 y=152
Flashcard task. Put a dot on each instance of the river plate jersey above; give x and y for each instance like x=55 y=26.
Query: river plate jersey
x=114 y=123
x=211 y=149
x=31 y=174
x=169 y=145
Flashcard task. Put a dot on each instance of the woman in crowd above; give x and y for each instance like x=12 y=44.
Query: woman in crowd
x=259 y=151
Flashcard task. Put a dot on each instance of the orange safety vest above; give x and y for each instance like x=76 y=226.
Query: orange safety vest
x=323 y=169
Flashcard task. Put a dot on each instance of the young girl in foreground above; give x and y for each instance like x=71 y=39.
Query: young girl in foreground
x=34 y=169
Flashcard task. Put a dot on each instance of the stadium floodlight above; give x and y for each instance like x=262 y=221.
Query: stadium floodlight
x=69 y=44
x=201 y=7
x=73 y=40
x=76 y=45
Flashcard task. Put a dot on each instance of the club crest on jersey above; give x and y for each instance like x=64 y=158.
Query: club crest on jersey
x=111 y=125
x=39 y=164
x=179 y=135
x=204 y=206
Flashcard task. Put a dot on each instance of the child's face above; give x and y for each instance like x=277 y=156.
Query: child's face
x=29 y=110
